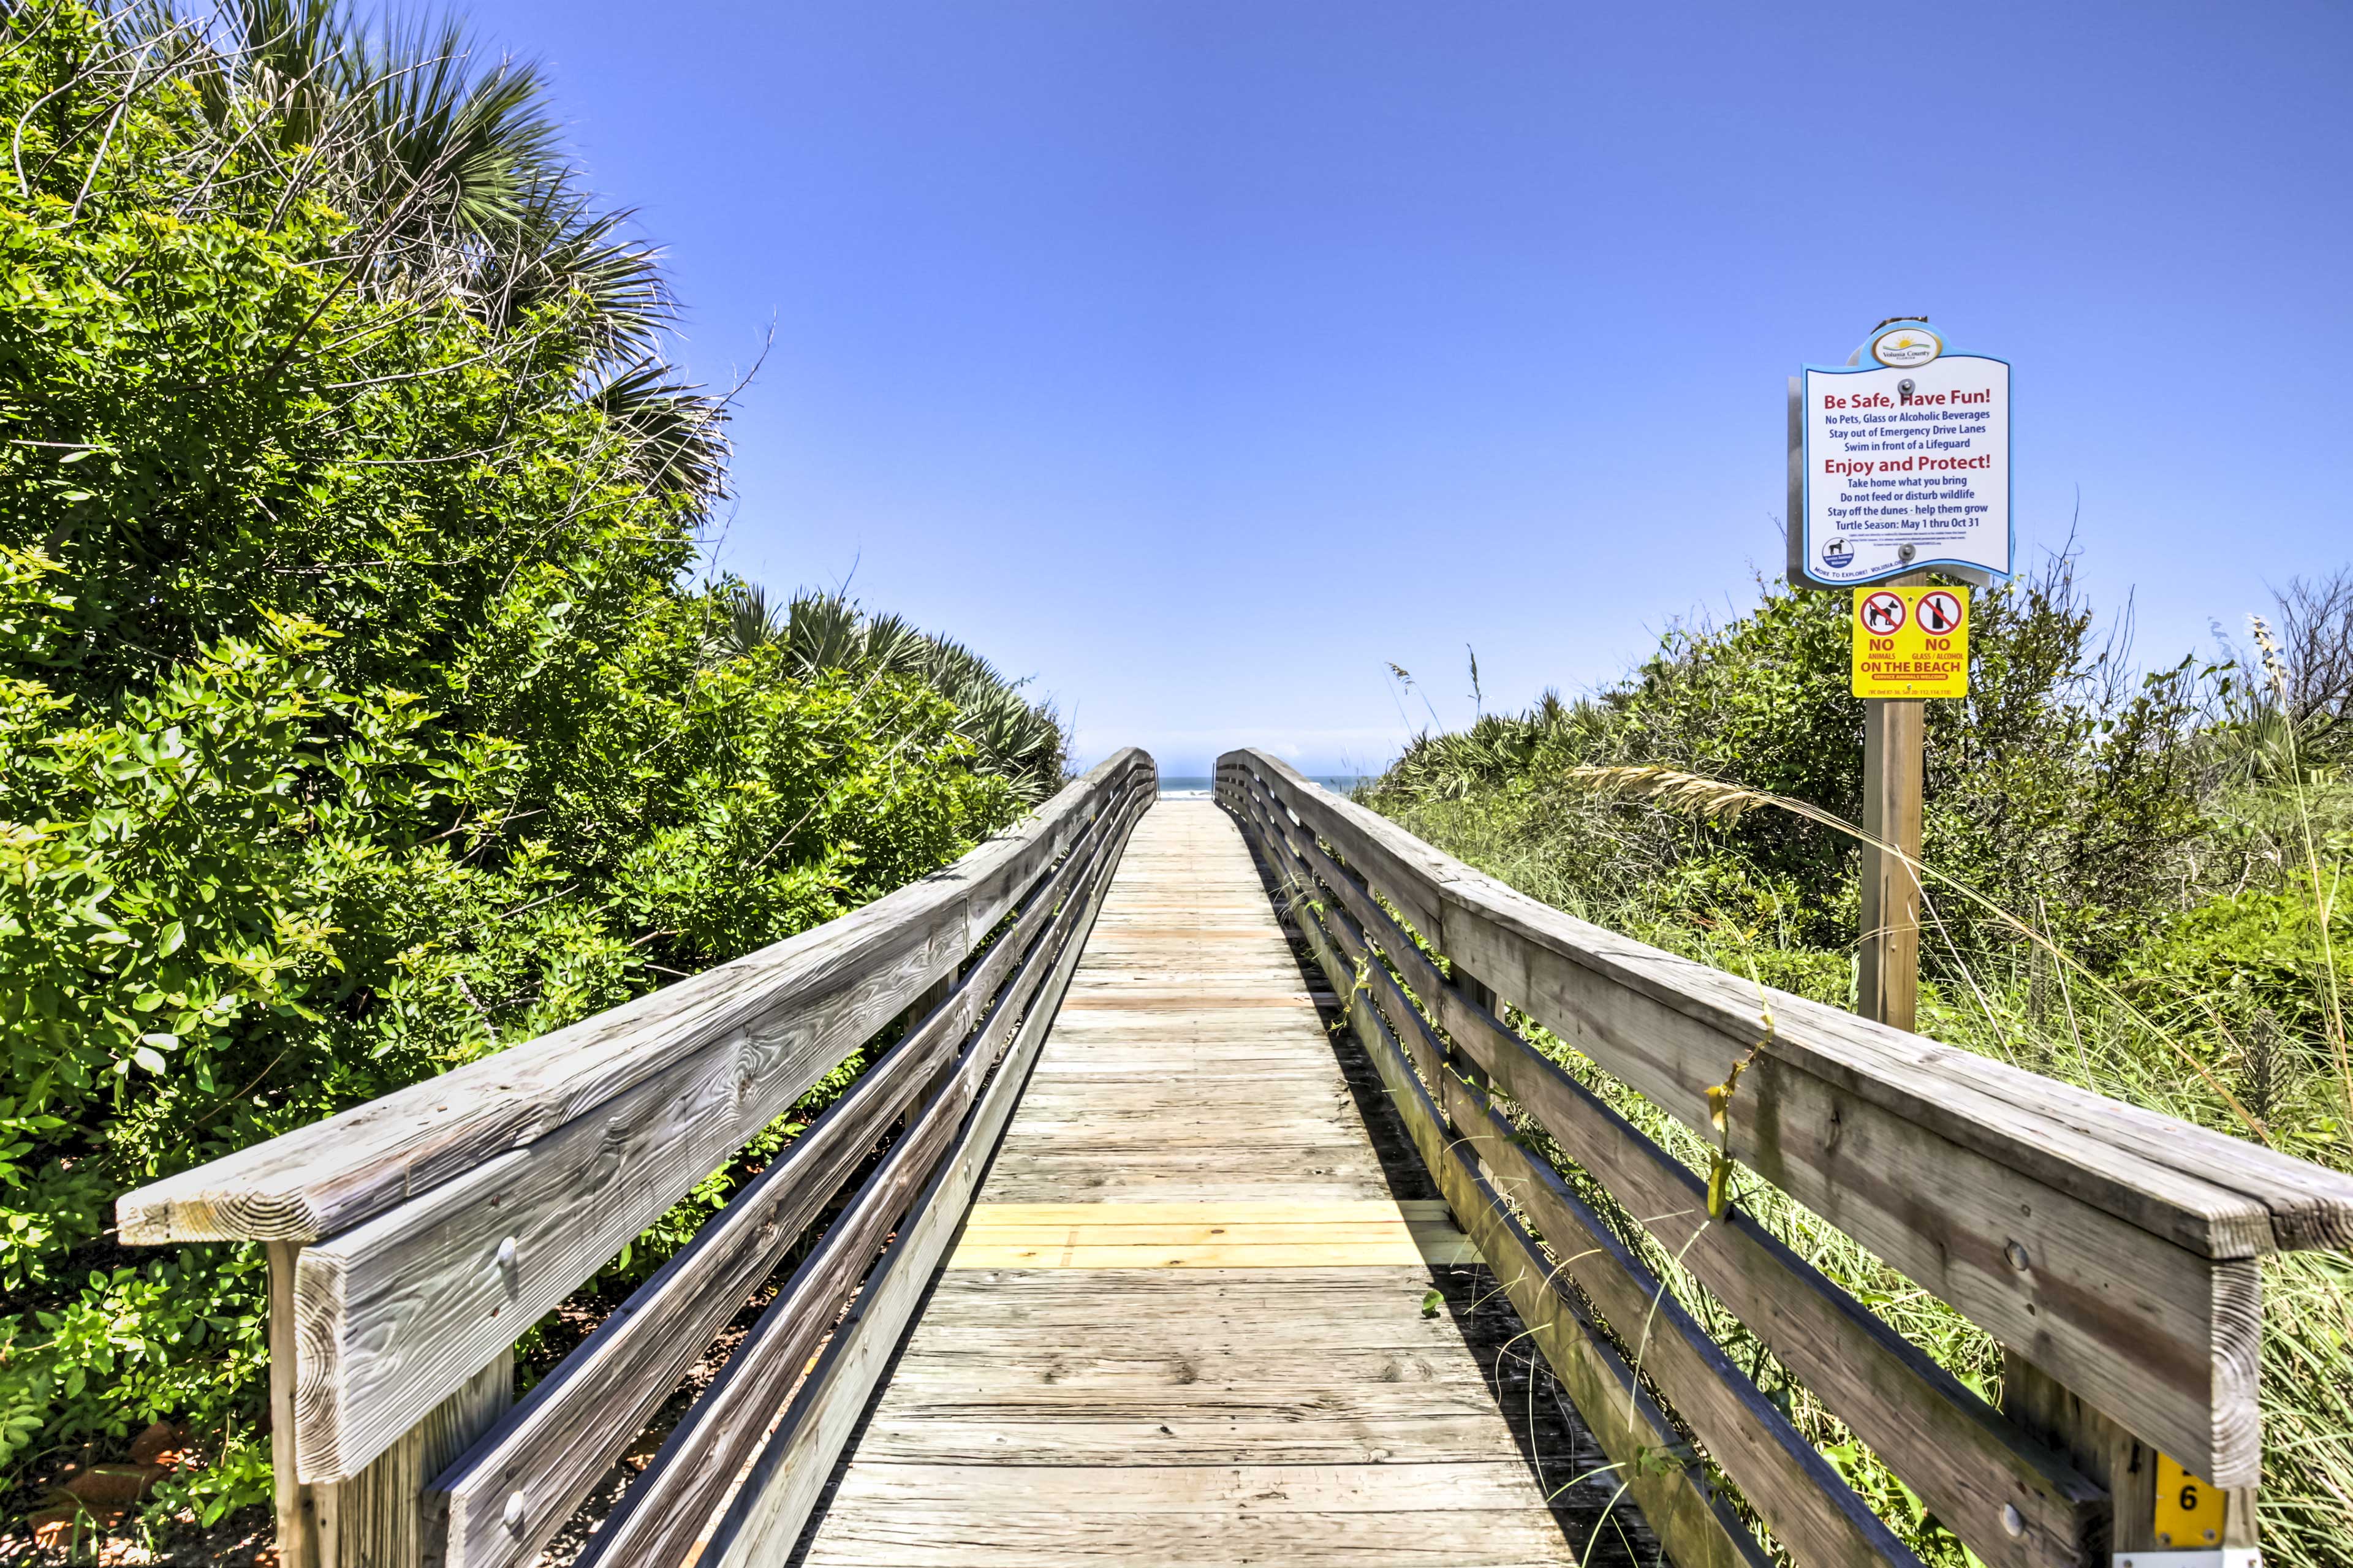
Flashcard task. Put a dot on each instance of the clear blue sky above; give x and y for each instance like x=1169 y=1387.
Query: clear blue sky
x=1202 y=358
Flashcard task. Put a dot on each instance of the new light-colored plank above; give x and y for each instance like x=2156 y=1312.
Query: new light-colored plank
x=1220 y=1229
x=1421 y=1245
x=1275 y=1211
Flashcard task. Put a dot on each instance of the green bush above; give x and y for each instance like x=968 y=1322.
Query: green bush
x=2255 y=955
x=2062 y=780
x=356 y=719
x=2180 y=833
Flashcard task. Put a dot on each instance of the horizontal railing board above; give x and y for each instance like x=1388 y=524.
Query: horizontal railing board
x=769 y=1513
x=1903 y=1075
x=1013 y=945
x=591 y=1407
x=550 y=1449
x=1802 y=1499
x=1696 y=1526
x=855 y=973
x=1968 y=1461
x=663 y=1514
x=1022 y=856
x=664 y=1510
x=2167 y=1335
x=1400 y=948
x=333 y=1174
x=394 y=1313
x=2210 y=1192
x=1798 y=1494
x=2162 y=1337
x=394 y=1309
x=1963 y=1455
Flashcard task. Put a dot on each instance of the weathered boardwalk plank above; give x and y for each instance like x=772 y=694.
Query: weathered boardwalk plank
x=1186 y=1322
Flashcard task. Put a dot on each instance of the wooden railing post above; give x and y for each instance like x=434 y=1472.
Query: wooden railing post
x=2108 y=1455
x=298 y=1523
x=382 y=1518
x=377 y=1519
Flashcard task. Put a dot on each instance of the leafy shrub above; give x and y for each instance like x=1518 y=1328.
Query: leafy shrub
x=2254 y=953
x=355 y=719
x=2061 y=778
x=2184 y=832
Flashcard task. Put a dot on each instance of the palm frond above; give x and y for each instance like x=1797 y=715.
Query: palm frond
x=677 y=436
x=1021 y=740
x=564 y=252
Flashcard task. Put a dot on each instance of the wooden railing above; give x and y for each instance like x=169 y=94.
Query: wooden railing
x=2113 y=1252
x=413 y=1240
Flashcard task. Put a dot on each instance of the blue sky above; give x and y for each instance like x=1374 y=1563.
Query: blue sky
x=1202 y=359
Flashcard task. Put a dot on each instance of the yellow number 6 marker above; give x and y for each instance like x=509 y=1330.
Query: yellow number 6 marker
x=2190 y=1513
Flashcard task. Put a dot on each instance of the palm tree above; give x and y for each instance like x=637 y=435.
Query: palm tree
x=448 y=161
x=1016 y=738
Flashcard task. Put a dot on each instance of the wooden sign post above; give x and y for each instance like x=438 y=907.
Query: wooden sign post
x=1899 y=462
x=1910 y=642
x=1894 y=762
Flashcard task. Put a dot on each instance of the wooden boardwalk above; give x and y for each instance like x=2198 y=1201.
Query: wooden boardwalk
x=1186 y=1321
x=1112 y=1254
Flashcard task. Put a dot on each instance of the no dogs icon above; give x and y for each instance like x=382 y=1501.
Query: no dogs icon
x=1911 y=642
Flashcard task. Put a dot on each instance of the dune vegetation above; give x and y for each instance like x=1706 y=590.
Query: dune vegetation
x=2134 y=885
x=361 y=712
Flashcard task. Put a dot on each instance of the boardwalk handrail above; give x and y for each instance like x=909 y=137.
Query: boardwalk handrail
x=2113 y=1252
x=415 y=1238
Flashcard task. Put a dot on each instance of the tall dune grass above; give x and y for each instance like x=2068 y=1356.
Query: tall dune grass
x=2193 y=970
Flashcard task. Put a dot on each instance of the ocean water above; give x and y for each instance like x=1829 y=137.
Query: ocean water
x=1340 y=783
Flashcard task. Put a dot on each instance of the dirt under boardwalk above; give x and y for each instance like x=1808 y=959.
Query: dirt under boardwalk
x=1186 y=1321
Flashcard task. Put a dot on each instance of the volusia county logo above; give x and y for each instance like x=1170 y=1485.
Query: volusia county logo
x=1901 y=348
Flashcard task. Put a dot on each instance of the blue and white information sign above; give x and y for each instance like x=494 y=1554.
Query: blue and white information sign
x=1899 y=461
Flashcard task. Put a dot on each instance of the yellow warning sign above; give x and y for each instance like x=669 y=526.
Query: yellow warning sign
x=2190 y=1513
x=1911 y=642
